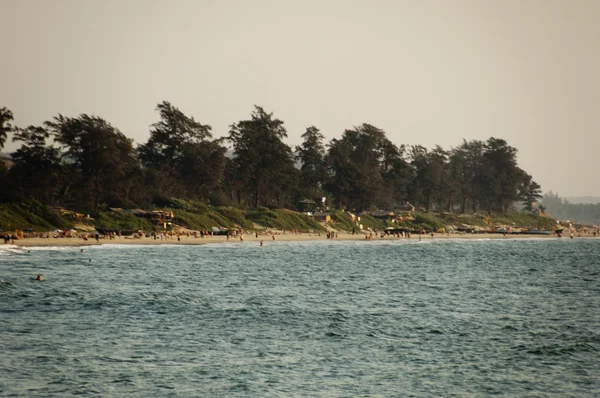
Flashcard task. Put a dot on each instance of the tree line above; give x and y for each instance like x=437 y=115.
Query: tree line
x=86 y=164
x=562 y=209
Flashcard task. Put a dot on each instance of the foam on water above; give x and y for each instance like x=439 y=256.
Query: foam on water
x=6 y=250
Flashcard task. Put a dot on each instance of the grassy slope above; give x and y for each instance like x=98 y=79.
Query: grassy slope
x=433 y=221
x=196 y=215
x=283 y=219
x=31 y=215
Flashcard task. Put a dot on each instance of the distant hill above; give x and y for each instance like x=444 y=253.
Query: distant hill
x=583 y=199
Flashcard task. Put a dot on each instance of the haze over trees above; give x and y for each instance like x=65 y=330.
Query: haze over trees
x=562 y=209
x=86 y=164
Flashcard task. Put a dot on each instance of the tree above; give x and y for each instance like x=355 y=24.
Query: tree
x=396 y=173
x=343 y=181
x=170 y=136
x=182 y=157
x=201 y=167
x=263 y=163
x=501 y=175
x=6 y=116
x=466 y=162
x=443 y=183
x=356 y=165
x=530 y=192
x=37 y=170
x=311 y=155
x=428 y=175
x=100 y=158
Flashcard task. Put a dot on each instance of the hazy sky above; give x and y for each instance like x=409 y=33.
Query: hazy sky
x=427 y=72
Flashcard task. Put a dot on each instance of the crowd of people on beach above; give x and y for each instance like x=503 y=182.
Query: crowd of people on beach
x=238 y=234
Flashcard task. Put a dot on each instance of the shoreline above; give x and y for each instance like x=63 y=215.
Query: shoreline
x=190 y=240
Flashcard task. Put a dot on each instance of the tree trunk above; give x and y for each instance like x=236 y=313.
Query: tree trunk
x=257 y=193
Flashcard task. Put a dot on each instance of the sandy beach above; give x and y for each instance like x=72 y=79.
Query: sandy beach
x=252 y=239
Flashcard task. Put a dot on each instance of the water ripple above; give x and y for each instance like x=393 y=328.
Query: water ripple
x=392 y=318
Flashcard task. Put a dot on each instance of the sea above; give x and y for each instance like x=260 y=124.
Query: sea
x=382 y=318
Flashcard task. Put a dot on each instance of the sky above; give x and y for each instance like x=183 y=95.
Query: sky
x=426 y=72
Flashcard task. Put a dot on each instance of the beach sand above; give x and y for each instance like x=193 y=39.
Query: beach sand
x=252 y=239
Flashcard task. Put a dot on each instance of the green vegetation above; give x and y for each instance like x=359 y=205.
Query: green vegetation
x=31 y=215
x=341 y=220
x=429 y=222
x=235 y=216
x=524 y=220
x=199 y=216
x=86 y=164
x=460 y=219
x=368 y=221
x=283 y=219
x=114 y=221
x=433 y=222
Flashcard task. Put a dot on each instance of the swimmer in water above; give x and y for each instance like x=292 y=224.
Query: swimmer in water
x=39 y=278
x=81 y=250
x=261 y=242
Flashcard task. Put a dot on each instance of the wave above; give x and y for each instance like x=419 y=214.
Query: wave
x=6 y=250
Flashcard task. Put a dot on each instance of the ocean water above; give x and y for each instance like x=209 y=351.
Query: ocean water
x=328 y=318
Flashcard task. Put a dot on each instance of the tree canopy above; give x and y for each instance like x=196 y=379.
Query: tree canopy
x=86 y=163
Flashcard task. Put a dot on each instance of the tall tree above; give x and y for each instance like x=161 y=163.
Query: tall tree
x=501 y=175
x=101 y=159
x=424 y=180
x=443 y=183
x=356 y=163
x=36 y=173
x=466 y=162
x=201 y=167
x=311 y=155
x=530 y=192
x=182 y=157
x=6 y=116
x=262 y=161
x=396 y=173
x=170 y=136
